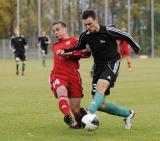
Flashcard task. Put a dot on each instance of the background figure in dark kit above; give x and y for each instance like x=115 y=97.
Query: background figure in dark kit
x=43 y=42
x=18 y=45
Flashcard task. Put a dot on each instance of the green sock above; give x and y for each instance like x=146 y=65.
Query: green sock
x=17 y=67
x=23 y=67
x=116 y=110
x=96 y=102
x=43 y=62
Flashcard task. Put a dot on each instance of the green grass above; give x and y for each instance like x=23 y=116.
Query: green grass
x=29 y=111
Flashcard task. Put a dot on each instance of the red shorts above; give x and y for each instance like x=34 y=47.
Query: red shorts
x=125 y=52
x=73 y=84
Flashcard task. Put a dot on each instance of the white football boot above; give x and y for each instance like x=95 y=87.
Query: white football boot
x=128 y=124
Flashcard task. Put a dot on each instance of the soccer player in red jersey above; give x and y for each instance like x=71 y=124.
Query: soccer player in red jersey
x=65 y=79
x=125 y=51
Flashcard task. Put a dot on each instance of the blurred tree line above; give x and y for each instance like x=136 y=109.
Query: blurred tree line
x=71 y=14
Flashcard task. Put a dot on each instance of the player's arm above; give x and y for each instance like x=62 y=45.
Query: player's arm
x=39 y=42
x=120 y=34
x=48 y=40
x=25 y=43
x=84 y=53
x=11 y=46
x=81 y=44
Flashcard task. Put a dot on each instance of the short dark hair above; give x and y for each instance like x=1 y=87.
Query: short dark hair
x=61 y=23
x=89 y=13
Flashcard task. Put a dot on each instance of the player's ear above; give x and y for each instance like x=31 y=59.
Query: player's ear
x=96 y=20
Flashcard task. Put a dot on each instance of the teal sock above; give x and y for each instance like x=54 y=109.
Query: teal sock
x=116 y=110
x=96 y=102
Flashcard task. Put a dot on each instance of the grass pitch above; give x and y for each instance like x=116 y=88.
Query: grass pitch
x=29 y=112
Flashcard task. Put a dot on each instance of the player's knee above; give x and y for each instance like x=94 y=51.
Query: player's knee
x=102 y=86
x=62 y=91
x=17 y=59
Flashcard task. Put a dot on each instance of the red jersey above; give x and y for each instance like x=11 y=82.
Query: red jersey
x=67 y=66
x=124 y=48
x=65 y=71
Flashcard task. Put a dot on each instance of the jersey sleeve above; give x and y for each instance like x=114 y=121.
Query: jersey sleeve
x=81 y=44
x=11 y=46
x=120 y=34
x=84 y=53
x=24 y=41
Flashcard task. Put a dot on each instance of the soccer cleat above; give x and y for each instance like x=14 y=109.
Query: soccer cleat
x=128 y=124
x=69 y=121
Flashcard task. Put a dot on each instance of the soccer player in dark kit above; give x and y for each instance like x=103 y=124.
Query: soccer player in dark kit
x=43 y=42
x=18 y=45
x=103 y=45
x=65 y=79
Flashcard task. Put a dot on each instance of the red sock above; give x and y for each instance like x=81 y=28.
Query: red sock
x=64 y=105
x=129 y=64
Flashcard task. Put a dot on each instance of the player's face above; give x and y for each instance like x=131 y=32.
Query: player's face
x=91 y=24
x=43 y=33
x=17 y=33
x=59 y=31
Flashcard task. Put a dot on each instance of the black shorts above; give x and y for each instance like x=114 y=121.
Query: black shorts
x=44 y=50
x=20 y=56
x=108 y=71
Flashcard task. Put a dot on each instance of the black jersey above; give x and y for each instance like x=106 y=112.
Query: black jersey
x=43 y=41
x=18 y=43
x=103 y=43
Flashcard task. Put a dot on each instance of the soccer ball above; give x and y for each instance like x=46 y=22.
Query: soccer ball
x=91 y=122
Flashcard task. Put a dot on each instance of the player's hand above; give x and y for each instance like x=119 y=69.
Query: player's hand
x=13 y=50
x=137 y=51
x=60 y=52
x=26 y=47
x=67 y=55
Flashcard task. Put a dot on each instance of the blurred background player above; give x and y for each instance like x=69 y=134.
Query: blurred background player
x=43 y=42
x=125 y=51
x=65 y=79
x=18 y=45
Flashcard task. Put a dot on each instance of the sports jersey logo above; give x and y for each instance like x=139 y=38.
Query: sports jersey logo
x=68 y=42
x=102 y=41
x=109 y=77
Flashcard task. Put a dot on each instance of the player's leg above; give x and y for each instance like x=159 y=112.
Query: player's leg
x=77 y=111
x=127 y=55
x=43 y=58
x=60 y=91
x=17 y=67
x=64 y=105
x=128 y=62
x=98 y=99
x=75 y=94
x=17 y=59
x=106 y=74
x=114 y=109
x=23 y=58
